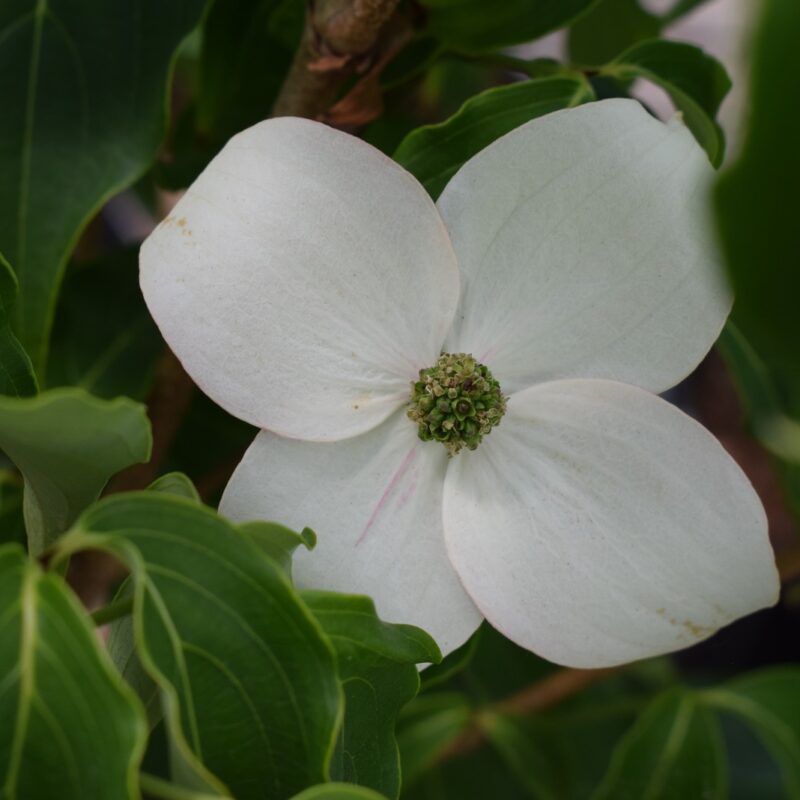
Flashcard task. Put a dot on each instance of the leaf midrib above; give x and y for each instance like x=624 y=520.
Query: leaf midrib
x=27 y=136
x=27 y=676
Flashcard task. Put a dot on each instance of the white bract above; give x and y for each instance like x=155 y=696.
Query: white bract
x=305 y=279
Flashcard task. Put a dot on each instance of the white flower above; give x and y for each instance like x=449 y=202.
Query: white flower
x=305 y=279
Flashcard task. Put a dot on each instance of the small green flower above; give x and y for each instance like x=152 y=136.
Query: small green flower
x=456 y=402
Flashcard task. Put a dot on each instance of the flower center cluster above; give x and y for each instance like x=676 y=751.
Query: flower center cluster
x=456 y=402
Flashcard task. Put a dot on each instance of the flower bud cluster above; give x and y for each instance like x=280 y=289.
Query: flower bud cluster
x=456 y=402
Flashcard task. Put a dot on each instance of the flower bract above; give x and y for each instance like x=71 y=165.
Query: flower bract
x=311 y=287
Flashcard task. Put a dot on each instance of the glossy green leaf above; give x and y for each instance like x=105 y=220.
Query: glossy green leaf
x=769 y=702
x=427 y=727
x=251 y=697
x=434 y=153
x=70 y=729
x=16 y=370
x=106 y=353
x=471 y=26
x=377 y=665
x=757 y=202
x=338 y=791
x=84 y=110
x=608 y=29
x=68 y=444
x=278 y=541
x=121 y=647
x=695 y=81
x=175 y=483
x=675 y=749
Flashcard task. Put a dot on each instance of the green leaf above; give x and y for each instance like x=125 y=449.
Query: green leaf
x=12 y=523
x=248 y=46
x=675 y=749
x=497 y=668
x=155 y=788
x=248 y=680
x=761 y=398
x=427 y=727
x=338 y=791
x=84 y=110
x=16 y=370
x=472 y=26
x=511 y=737
x=107 y=354
x=68 y=444
x=70 y=728
x=476 y=774
x=175 y=483
x=453 y=663
x=121 y=647
x=377 y=665
x=608 y=29
x=279 y=542
x=756 y=200
x=584 y=729
x=769 y=702
x=696 y=82
x=434 y=153
x=753 y=771
x=209 y=444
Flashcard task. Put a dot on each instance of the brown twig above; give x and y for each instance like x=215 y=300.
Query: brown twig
x=543 y=694
x=551 y=690
x=166 y=405
x=560 y=685
x=789 y=564
x=92 y=573
x=338 y=40
x=339 y=37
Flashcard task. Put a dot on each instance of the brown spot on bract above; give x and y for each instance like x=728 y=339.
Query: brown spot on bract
x=698 y=631
x=695 y=630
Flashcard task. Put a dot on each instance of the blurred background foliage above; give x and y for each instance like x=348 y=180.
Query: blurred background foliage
x=110 y=109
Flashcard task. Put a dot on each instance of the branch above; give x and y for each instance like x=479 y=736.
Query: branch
x=339 y=39
x=544 y=693
x=166 y=405
x=788 y=561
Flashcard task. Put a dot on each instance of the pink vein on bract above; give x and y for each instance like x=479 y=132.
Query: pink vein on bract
x=390 y=487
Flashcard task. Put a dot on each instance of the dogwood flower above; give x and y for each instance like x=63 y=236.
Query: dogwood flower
x=461 y=398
